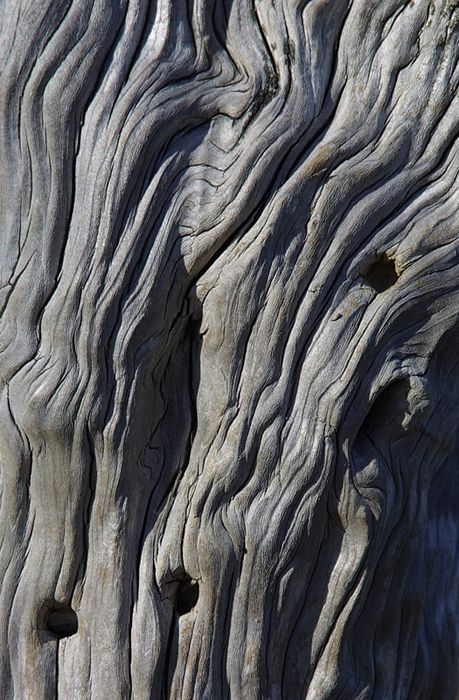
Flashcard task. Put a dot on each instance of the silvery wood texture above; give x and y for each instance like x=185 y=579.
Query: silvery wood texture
x=229 y=349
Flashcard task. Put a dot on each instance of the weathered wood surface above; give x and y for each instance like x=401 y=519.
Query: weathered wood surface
x=229 y=349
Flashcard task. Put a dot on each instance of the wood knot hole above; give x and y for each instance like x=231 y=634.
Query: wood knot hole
x=186 y=596
x=382 y=274
x=61 y=622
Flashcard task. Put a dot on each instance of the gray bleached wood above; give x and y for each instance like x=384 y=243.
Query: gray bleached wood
x=229 y=349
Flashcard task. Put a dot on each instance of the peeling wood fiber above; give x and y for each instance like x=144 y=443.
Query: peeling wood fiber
x=229 y=346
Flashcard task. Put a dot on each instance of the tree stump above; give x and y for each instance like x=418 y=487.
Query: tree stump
x=229 y=340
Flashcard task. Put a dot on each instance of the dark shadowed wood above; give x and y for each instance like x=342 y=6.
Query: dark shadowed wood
x=229 y=348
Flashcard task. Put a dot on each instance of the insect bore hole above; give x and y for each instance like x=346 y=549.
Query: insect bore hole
x=61 y=622
x=186 y=596
x=382 y=274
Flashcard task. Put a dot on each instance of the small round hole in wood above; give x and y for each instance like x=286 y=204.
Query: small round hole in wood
x=382 y=274
x=61 y=622
x=186 y=596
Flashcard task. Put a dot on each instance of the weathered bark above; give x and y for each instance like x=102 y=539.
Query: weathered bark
x=229 y=343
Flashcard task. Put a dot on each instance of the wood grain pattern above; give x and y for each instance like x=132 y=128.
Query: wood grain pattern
x=229 y=337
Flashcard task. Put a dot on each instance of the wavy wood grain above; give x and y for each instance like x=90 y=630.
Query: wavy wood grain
x=229 y=349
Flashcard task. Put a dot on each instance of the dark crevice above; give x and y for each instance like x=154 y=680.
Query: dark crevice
x=186 y=596
x=382 y=274
x=61 y=621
